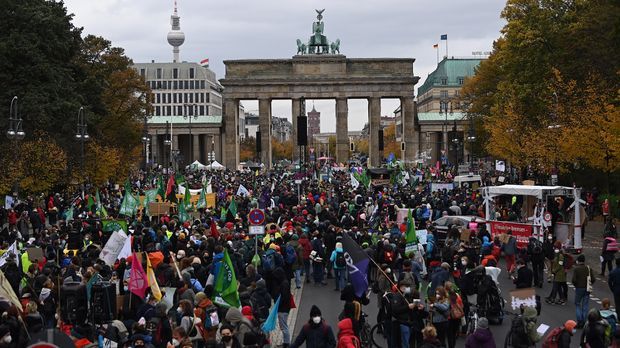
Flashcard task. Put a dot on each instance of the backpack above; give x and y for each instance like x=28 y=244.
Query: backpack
x=569 y=262
x=211 y=319
x=255 y=335
x=340 y=262
x=268 y=261
x=613 y=324
x=612 y=246
x=551 y=341
x=291 y=255
x=518 y=333
x=154 y=327
x=537 y=247
x=348 y=341
x=456 y=310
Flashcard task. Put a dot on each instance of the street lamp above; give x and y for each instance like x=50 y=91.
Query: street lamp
x=145 y=140
x=212 y=153
x=443 y=109
x=15 y=133
x=471 y=138
x=167 y=143
x=82 y=136
x=191 y=139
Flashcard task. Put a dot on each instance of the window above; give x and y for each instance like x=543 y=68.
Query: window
x=158 y=84
x=169 y=98
x=175 y=73
x=164 y=85
x=158 y=110
x=174 y=98
x=202 y=110
x=444 y=94
x=158 y=98
x=159 y=73
x=206 y=110
x=191 y=73
x=174 y=84
x=206 y=97
x=202 y=97
x=444 y=81
x=461 y=80
x=185 y=98
x=185 y=84
x=191 y=97
x=169 y=109
x=457 y=92
x=191 y=84
x=202 y=84
x=196 y=97
x=143 y=73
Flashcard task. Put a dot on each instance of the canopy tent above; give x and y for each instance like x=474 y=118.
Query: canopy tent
x=466 y=178
x=196 y=166
x=216 y=166
x=524 y=190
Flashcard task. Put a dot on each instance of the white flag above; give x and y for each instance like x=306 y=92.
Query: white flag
x=113 y=247
x=209 y=187
x=354 y=182
x=126 y=250
x=11 y=250
x=242 y=191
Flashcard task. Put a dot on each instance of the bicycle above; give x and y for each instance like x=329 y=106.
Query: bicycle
x=471 y=322
x=370 y=336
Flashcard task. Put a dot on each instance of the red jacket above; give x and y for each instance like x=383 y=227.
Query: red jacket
x=305 y=244
x=346 y=336
x=12 y=217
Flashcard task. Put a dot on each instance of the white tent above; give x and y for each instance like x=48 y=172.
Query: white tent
x=197 y=165
x=459 y=180
x=216 y=166
x=524 y=190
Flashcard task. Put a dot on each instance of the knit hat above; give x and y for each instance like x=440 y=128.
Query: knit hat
x=483 y=323
x=338 y=245
x=569 y=325
x=315 y=311
x=581 y=259
x=295 y=237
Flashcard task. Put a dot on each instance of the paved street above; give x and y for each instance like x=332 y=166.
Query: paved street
x=329 y=302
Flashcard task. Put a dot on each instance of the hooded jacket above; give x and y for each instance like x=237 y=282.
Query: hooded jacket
x=241 y=323
x=481 y=338
x=315 y=335
x=282 y=289
x=346 y=335
x=260 y=300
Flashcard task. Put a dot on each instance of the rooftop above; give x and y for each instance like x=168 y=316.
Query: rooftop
x=452 y=69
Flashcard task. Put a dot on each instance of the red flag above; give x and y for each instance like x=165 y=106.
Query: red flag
x=137 y=278
x=170 y=186
x=214 y=232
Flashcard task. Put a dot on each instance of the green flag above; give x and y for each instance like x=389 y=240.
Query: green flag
x=161 y=188
x=223 y=213
x=130 y=202
x=411 y=237
x=150 y=196
x=69 y=214
x=187 y=199
x=202 y=200
x=90 y=203
x=100 y=208
x=225 y=289
x=183 y=215
x=232 y=207
x=111 y=226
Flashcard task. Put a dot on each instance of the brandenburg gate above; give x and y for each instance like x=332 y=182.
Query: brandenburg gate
x=319 y=71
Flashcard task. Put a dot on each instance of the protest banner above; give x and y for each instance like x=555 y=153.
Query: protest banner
x=113 y=247
x=525 y=297
x=522 y=232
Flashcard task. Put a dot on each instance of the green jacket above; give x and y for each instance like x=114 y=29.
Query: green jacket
x=557 y=268
x=580 y=276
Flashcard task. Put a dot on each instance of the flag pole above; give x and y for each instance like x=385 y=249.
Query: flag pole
x=446 y=47
x=437 y=51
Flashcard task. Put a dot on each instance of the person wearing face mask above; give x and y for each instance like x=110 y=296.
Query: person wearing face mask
x=549 y=255
x=228 y=338
x=559 y=277
x=180 y=339
x=564 y=336
x=402 y=307
x=440 y=309
x=316 y=332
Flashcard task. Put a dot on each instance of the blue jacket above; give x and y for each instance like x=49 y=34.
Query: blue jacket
x=332 y=258
x=430 y=244
x=614 y=281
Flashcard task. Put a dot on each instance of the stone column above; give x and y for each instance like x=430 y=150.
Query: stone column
x=154 y=149
x=230 y=140
x=196 y=149
x=374 y=120
x=342 y=130
x=295 y=112
x=264 y=121
x=410 y=133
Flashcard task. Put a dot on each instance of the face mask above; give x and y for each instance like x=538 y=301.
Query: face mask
x=557 y=251
x=7 y=339
x=316 y=320
x=388 y=270
x=464 y=263
x=574 y=331
x=226 y=339
x=550 y=237
x=179 y=310
x=407 y=290
x=175 y=342
x=437 y=297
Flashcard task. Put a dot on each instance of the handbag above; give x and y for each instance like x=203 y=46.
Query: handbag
x=292 y=303
x=589 y=281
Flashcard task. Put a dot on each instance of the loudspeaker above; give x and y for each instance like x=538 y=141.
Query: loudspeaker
x=302 y=131
x=352 y=147
x=402 y=146
x=73 y=304
x=380 y=139
x=74 y=241
x=103 y=302
x=258 y=143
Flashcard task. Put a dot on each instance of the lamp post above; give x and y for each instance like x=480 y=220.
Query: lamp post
x=212 y=153
x=145 y=141
x=443 y=109
x=167 y=143
x=82 y=136
x=471 y=138
x=186 y=115
x=15 y=133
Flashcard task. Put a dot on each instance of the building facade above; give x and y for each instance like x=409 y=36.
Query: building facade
x=314 y=122
x=186 y=121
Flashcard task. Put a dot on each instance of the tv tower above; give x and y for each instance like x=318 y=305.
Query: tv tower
x=175 y=37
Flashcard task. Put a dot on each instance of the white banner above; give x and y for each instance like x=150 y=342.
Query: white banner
x=11 y=250
x=191 y=192
x=500 y=166
x=8 y=202
x=113 y=247
x=436 y=186
x=126 y=250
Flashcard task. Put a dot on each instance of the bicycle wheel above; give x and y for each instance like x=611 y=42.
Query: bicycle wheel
x=365 y=336
x=377 y=339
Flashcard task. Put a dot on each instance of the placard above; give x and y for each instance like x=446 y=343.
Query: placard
x=35 y=254
x=113 y=247
x=525 y=297
x=159 y=208
x=522 y=232
x=465 y=234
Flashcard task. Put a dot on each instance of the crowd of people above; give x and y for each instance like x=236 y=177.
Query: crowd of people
x=426 y=292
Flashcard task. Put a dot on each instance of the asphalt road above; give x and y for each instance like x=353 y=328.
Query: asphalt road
x=330 y=305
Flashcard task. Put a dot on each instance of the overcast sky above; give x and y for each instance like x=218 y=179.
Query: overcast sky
x=234 y=29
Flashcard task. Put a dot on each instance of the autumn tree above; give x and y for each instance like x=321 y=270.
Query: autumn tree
x=247 y=149
x=281 y=150
x=390 y=145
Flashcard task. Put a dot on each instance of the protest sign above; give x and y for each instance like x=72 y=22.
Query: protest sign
x=525 y=297
x=113 y=247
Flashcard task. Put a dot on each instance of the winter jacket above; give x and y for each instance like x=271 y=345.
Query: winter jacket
x=315 y=336
x=614 y=281
x=346 y=336
x=441 y=310
x=261 y=300
x=333 y=256
x=608 y=255
x=557 y=268
x=481 y=338
x=580 y=276
x=307 y=247
x=594 y=334
x=525 y=278
x=564 y=339
x=241 y=323
x=510 y=248
x=282 y=290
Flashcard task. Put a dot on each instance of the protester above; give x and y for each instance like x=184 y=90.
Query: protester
x=559 y=277
x=595 y=334
x=608 y=253
x=440 y=309
x=482 y=337
x=583 y=278
x=316 y=333
x=430 y=340
x=614 y=285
